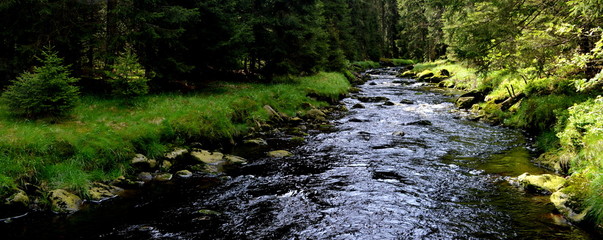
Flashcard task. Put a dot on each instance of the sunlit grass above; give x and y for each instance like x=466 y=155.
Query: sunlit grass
x=96 y=142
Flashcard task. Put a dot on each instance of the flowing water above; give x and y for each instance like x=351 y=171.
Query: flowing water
x=412 y=170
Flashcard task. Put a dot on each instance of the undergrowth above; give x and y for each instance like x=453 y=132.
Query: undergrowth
x=97 y=141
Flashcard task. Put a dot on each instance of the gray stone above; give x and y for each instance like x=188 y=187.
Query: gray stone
x=145 y=176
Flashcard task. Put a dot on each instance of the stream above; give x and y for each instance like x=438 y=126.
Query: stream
x=416 y=169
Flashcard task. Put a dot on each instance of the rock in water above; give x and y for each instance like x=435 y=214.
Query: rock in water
x=177 y=153
x=163 y=177
x=184 y=174
x=235 y=159
x=279 y=154
x=465 y=102
x=559 y=199
x=64 y=202
x=545 y=183
x=208 y=157
x=358 y=105
x=255 y=142
x=100 y=191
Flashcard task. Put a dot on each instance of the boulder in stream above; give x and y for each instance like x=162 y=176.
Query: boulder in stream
x=279 y=154
x=64 y=202
x=560 y=200
x=544 y=183
x=100 y=191
x=207 y=156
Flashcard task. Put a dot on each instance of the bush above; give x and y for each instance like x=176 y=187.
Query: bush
x=45 y=92
x=127 y=77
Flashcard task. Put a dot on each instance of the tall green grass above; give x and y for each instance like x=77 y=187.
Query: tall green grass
x=97 y=141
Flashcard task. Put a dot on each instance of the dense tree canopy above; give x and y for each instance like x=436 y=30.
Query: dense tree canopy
x=186 y=40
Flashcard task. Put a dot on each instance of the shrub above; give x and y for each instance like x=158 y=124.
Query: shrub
x=127 y=77
x=45 y=92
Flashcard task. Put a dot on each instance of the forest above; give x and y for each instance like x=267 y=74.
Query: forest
x=78 y=76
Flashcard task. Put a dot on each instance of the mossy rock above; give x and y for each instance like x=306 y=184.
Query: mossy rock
x=163 y=177
x=255 y=142
x=545 y=183
x=561 y=201
x=425 y=75
x=232 y=159
x=316 y=114
x=18 y=199
x=63 y=201
x=407 y=74
x=100 y=191
x=279 y=154
x=184 y=174
x=142 y=162
x=176 y=154
x=207 y=156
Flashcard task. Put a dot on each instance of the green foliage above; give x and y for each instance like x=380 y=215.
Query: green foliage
x=127 y=77
x=97 y=143
x=47 y=91
x=360 y=66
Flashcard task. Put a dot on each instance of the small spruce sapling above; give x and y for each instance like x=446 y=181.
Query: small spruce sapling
x=127 y=77
x=47 y=91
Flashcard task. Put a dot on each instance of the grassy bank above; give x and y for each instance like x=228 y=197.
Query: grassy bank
x=567 y=122
x=100 y=137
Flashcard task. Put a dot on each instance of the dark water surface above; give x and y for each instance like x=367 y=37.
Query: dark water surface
x=443 y=179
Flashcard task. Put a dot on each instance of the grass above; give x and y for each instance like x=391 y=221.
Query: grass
x=97 y=141
x=567 y=123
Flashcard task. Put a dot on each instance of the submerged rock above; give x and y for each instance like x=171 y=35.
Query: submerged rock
x=545 y=183
x=400 y=134
x=560 y=200
x=207 y=156
x=420 y=123
x=64 y=202
x=405 y=101
x=389 y=103
x=279 y=154
x=358 y=105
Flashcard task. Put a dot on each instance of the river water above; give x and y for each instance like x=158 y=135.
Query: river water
x=413 y=170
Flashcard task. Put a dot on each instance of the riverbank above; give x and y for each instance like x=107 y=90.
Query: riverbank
x=99 y=141
x=563 y=116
